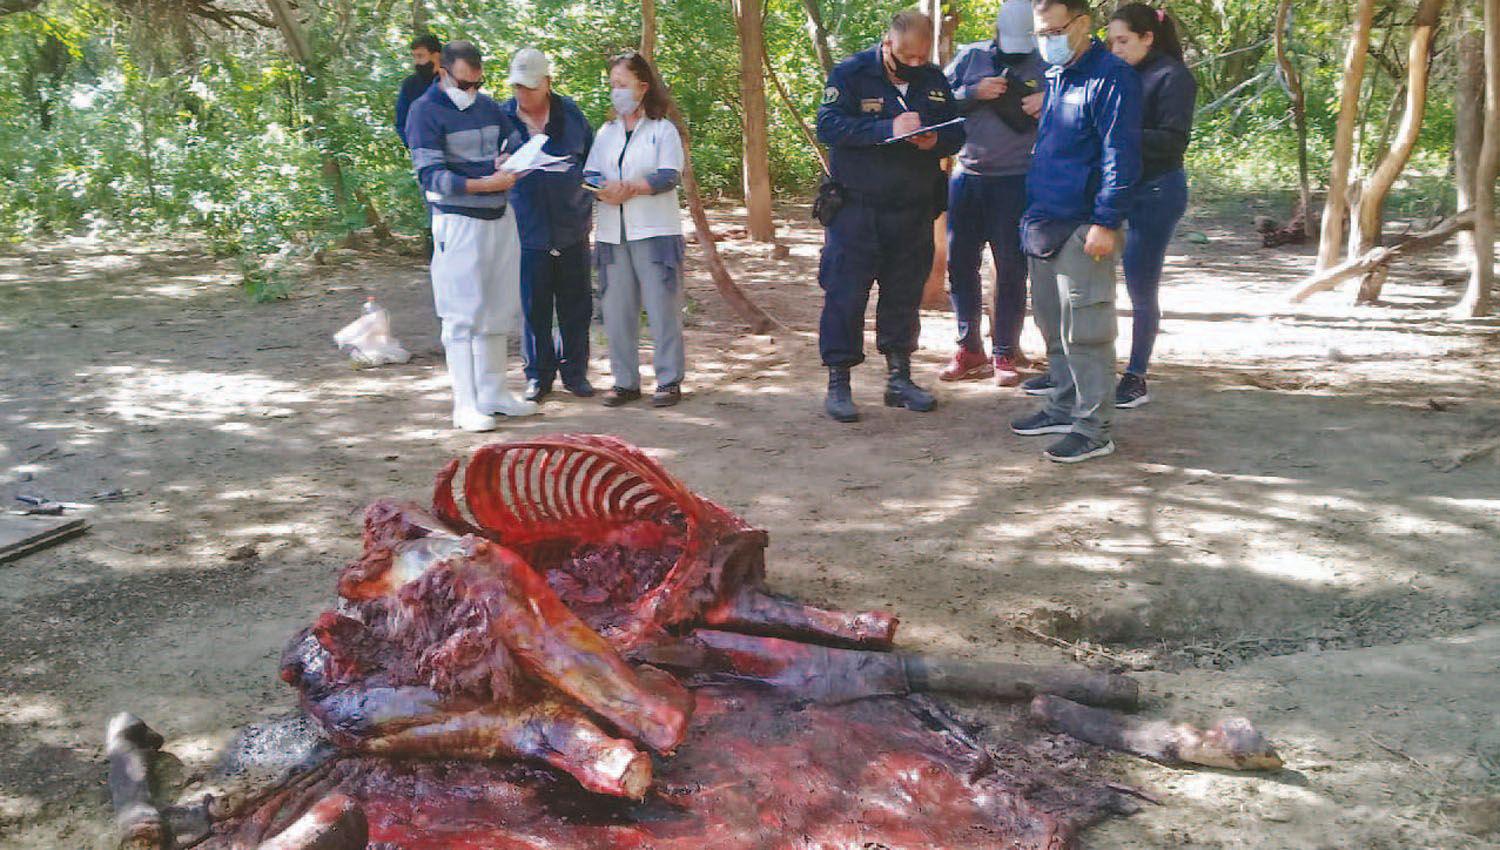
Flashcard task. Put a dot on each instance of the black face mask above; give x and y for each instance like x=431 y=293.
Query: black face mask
x=901 y=70
x=426 y=70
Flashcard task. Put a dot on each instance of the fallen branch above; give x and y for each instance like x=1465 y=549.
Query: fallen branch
x=1076 y=648
x=1470 y=454
x=759 y=320
x=1382 y=257
x=1231 y=743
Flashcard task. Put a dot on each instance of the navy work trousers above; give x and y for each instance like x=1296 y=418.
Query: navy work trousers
x=889 y=244
x=987 y=211
x=556 y=283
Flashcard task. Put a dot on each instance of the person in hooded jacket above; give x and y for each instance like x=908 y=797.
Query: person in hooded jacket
x=998 y=86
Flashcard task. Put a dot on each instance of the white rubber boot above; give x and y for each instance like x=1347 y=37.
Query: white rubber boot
x=466 y=413
x=491 y=359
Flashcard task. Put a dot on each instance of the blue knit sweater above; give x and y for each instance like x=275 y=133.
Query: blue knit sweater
x=450 y=146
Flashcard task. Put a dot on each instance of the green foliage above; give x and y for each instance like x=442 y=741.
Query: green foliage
x=112 y=121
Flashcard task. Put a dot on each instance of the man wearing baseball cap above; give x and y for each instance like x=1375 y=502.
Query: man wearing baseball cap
x=555 y=214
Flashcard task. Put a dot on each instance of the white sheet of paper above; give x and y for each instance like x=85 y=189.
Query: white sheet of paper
x=531 y=157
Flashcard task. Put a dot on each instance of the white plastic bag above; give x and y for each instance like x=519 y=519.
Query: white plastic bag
x=368 y=341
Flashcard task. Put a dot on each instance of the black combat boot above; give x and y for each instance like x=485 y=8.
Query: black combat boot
x=899 y=390
x=840 y=401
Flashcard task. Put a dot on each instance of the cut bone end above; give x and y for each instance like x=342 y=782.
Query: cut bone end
x=1235 y=744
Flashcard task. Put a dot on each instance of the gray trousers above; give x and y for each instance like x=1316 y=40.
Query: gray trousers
x=1073 y=297
x=635 y=277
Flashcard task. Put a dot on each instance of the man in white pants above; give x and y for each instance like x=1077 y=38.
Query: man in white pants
x=457 y=136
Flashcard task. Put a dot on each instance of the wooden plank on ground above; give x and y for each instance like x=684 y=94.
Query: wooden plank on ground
x=22 y=535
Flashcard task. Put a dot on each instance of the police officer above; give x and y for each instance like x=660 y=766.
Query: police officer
x=890 y=192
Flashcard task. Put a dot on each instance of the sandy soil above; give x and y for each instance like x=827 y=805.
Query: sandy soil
x=1274 y=538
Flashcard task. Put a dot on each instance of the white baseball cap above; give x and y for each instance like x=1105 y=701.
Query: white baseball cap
x=1014 y=27
x=530 y=66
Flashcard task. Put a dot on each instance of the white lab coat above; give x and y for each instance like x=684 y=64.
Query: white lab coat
x=654 y=145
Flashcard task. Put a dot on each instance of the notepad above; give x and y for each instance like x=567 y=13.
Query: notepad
x=920 y=130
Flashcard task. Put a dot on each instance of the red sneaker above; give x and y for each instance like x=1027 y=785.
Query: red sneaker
x=1008 y=369
x=966 y=365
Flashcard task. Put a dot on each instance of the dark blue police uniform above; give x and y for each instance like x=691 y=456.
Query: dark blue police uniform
x=884 y=231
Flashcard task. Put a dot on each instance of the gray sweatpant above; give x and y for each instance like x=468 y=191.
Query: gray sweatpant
x=1073 y=297
x=636 y=276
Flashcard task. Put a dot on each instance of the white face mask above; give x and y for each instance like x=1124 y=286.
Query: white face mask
x=624 y=101
x=461 y=99
x=1055 y=49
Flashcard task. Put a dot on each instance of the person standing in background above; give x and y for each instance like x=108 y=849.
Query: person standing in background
x=426 y=55
x=554 y=213
x=457 y=136
x=637 y=164
x=1147 y=39
x=998 y=86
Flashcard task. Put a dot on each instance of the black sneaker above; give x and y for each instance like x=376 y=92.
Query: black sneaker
x=1076 y=448
x=1039 y=423
x=581 y=388
x=1040 y=385
x=536 y=390
x=620 y=395
x=1131 y=392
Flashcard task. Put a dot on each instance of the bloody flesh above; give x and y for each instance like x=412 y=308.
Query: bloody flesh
x=487 y=678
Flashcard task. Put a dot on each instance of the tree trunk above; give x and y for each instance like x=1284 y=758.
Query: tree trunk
x=1336 y=205
x=1293 y=83
x=758 y=319
x=1468 y=117
x=1371 y=207
x=935 y=290
x=1476 y=300
x=418 y=17
x=648 y=30
x=818 y=35
x=333 y=168
x=750 y=23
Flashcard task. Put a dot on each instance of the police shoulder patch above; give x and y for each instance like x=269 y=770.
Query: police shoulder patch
x=831 y=94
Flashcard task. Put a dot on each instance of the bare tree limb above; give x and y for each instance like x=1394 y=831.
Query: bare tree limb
x=1381 y=257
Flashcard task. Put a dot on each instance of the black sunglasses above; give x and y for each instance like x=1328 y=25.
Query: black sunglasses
x=465 y=85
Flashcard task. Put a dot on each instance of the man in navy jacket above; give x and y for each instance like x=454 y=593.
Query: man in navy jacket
x=555 y=213
x=426 y=52
x=892 y=192
x=1086 y=162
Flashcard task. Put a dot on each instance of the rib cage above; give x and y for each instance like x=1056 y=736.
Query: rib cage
x=583 y=488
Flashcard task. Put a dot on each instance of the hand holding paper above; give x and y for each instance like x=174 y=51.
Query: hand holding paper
x=531 y=158
x=897 y=136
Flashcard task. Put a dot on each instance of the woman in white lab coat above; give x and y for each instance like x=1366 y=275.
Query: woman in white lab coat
x=637 y=162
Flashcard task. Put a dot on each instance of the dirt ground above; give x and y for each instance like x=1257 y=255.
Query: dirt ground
x=1275 y=538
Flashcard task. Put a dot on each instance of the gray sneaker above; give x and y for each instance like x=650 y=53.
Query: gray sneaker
x=1076 y=448
x=1039 y=423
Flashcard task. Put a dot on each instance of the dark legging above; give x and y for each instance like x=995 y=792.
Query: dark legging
x=1155 y=210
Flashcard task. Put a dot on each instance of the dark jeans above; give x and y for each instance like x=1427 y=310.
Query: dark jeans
x=556 y=283
x=867 y=243
x=987 y=211
x=1155 y=209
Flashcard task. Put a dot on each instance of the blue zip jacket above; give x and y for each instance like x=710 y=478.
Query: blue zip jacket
x=450 y=145
x=553 y=209
x=1088 y=146
x=859 y=107
x=411 y=88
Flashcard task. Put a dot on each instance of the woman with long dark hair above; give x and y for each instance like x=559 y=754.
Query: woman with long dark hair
x=636 y=164
x=1147 y=38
